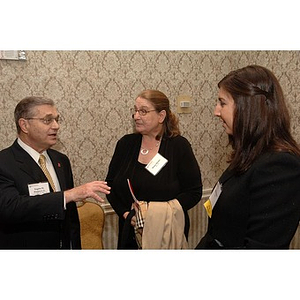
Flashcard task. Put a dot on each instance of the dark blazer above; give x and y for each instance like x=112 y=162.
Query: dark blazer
x=259 y=209
x=35 y=222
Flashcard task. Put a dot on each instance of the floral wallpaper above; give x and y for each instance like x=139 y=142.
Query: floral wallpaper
x=94 y=91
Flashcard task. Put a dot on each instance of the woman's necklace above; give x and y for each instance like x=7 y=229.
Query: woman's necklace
x=145 y=151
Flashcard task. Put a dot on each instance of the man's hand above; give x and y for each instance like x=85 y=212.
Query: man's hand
x=88 y=190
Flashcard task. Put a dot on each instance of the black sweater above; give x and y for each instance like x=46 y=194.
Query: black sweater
x=180 y=178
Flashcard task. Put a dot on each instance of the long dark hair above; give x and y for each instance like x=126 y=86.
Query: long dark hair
x=261 y=120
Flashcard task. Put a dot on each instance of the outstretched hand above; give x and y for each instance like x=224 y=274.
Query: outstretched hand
x=88 y=190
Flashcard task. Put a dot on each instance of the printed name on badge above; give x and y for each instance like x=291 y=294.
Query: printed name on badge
x=38 y=188
x=156 y=164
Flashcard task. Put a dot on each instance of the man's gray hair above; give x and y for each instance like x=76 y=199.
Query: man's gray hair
x=25 y=108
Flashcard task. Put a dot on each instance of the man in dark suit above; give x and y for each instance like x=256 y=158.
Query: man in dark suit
x=38 y=202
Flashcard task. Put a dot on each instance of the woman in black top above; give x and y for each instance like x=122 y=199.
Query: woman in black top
x=156 y=132
x=256 y=203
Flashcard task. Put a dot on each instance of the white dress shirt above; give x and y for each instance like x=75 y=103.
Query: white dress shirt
x=36 y=155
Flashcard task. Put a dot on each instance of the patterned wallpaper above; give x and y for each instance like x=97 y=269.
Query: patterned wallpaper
x=94 y=91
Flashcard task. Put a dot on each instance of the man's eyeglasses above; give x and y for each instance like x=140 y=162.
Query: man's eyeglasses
x=47 y=120
x=142 y=112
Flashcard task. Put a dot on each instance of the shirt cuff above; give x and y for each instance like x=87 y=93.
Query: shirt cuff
x=65 y=204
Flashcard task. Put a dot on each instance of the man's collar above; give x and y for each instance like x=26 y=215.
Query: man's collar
x=33 y=153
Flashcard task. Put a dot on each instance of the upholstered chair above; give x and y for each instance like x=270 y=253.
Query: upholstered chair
x=92 y=217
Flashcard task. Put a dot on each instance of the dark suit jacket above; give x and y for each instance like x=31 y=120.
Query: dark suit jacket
x=35 y=222
x=259 y=209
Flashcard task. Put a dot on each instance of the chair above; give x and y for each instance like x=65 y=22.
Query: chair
x=91 y=217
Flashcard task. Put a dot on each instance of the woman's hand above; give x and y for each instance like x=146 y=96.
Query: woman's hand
x=125 y=215
x=133 y=219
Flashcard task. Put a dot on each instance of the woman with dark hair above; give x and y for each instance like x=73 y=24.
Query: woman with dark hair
x=256 y=202
x=156 y=165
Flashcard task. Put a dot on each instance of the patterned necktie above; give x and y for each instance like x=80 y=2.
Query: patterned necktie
x=42 y=162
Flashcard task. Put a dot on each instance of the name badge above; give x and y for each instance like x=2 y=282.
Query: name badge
x=210 y=203
x=156 y=164
x=38 y=188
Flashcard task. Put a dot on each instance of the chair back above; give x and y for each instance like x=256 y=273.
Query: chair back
x=91 y=217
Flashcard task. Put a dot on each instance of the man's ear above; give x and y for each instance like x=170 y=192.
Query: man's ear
x=23 y=125
x=162 y=116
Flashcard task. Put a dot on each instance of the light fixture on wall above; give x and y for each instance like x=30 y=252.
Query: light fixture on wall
x=184 y=104
x=13 y=54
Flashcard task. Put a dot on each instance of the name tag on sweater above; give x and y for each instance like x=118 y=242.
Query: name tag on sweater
x=156 y=164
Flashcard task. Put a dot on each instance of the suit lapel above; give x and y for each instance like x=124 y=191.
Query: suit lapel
x=226 y=176
x=32 y=169
x=27 y=163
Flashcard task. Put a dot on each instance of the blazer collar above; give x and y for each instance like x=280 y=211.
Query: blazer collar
x=27 y=163
x=29 y=166
x=226 y=176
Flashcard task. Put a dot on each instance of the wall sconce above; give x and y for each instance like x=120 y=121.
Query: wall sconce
x=13 y=54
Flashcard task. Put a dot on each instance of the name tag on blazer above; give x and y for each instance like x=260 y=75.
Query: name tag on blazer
x=38 y=188
x=212 y=200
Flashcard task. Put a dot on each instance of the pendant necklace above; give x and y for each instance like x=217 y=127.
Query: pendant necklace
x=145 y=151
